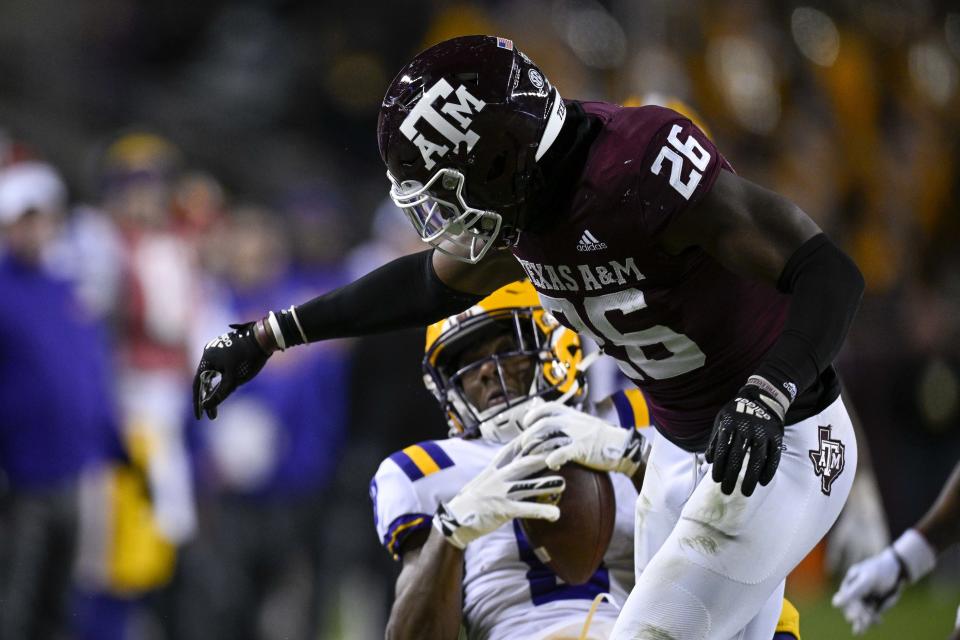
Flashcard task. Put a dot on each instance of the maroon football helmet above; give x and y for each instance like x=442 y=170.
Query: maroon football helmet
x=461 y=130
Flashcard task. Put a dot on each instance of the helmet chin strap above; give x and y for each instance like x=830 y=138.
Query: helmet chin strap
x=582 y=366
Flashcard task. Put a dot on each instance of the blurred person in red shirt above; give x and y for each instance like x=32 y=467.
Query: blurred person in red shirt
x=152 y=315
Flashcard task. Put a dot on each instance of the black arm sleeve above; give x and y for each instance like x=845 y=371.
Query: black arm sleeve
x=825 y=288
x=402 y=294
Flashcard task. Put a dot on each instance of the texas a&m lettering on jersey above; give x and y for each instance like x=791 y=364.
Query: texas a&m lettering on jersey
x=683 y=328
x=581 y=277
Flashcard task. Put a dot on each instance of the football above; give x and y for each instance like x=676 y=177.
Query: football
x=573 y=546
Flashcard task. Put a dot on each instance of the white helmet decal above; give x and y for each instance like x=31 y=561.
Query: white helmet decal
x=466 y=104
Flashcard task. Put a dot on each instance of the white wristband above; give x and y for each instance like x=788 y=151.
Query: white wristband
x=916 y=554
x=636 y=450
x=777 y=396
x=275 y=328
x=446 y=524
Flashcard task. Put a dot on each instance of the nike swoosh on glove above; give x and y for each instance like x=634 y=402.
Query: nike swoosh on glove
x=750 y=423
x=496 y=496
x=575 y=436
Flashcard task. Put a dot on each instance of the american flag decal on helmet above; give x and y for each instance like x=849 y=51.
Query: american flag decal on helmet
x=504 y=43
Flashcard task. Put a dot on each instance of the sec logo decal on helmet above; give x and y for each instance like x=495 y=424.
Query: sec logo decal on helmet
x=461 y=130
x=552 y=351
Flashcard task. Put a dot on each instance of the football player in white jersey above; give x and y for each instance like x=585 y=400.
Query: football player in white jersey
x=446 y=508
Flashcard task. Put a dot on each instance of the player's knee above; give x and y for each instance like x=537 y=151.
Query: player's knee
x=666 y=611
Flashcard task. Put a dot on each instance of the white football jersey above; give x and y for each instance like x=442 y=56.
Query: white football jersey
x=508 y=593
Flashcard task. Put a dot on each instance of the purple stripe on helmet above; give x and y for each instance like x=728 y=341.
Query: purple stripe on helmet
x=624 y=409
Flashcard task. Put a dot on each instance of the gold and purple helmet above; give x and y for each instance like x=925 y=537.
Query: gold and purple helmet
x=513 y=310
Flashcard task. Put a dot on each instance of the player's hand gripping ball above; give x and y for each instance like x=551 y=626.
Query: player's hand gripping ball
x=509 y=487
x=571 y=435
x=573 y=546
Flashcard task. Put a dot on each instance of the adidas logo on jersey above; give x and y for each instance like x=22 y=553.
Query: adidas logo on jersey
x=589 y=243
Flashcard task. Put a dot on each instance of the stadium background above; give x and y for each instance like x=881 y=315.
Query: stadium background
x=250 y=128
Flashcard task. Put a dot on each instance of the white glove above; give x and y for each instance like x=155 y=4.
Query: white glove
x=874 y=585
x=870 y=588
x=575 y=436
x=498 y=495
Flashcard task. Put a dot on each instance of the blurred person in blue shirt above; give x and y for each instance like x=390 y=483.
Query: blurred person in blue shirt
x=265 y=468
x=57 y=410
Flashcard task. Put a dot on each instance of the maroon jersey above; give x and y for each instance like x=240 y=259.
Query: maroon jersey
x=686 y=330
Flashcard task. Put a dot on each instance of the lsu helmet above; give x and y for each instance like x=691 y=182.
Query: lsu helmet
x=461 y=129
x=553 y=350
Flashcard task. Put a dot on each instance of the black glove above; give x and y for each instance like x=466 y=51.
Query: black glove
x=752 y=421
x=237 y=356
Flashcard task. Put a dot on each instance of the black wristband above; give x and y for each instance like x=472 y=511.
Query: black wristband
x=825 y=287
x=402 y=294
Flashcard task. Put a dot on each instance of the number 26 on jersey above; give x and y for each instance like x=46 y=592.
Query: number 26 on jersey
x=674 y=153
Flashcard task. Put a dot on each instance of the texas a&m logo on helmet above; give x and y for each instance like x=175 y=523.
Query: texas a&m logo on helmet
x=461 y=129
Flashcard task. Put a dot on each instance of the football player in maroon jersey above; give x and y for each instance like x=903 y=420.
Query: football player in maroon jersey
x=722 y=300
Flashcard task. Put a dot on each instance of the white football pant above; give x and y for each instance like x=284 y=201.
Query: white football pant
x=711 y=566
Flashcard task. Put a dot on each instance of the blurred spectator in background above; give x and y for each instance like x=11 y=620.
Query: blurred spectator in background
x=56 y=406
x=123 y=559
x=389 y=237
x=153 y=316
x=262 y=564
x=313 y=214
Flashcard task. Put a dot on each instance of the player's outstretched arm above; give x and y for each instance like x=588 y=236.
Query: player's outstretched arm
x=760 y=234
x=412 y=291
x=940 y=526
x=428 y=601
x=871 y=587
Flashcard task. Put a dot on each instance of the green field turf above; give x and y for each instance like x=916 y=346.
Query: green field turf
x=921 y=614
